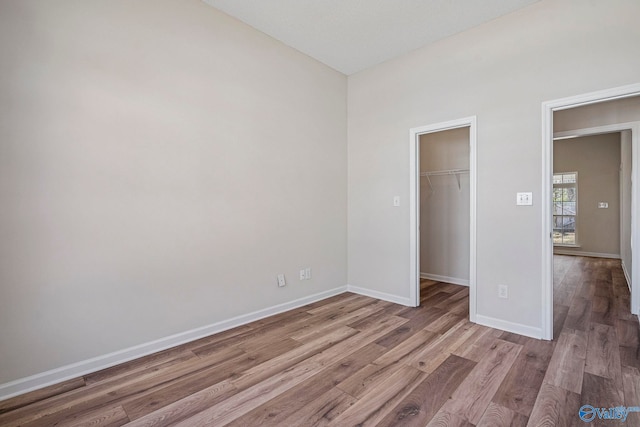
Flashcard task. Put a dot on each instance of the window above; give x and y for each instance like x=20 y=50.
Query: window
x=565 y=208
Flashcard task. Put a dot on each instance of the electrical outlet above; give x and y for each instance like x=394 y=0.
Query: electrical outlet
x=303 y=275
x=503 y=291
x=281 y=281
x=307 y=273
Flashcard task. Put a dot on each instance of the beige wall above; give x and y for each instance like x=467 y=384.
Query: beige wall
x=160 y=164
x=444 y=207
x=597 y=160
x=501 y=72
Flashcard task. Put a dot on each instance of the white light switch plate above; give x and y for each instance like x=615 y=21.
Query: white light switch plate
x=524 y=199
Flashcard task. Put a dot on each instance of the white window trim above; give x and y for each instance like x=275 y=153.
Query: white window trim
x=576 y=243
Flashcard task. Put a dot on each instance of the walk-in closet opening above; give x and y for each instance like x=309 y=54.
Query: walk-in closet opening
x=444 y=224
x=444 y=220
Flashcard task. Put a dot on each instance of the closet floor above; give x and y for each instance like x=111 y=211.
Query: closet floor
x=353 y=360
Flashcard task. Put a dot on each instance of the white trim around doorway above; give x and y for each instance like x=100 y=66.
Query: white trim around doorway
x=548 y=108
x=414 y=205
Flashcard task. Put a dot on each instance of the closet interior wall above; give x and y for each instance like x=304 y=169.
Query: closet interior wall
x=444 y=206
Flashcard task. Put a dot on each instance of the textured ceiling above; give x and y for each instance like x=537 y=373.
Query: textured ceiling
x=351 y=35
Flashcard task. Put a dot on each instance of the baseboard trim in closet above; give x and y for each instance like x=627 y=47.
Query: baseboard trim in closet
x=445 y=279
x=74 y=370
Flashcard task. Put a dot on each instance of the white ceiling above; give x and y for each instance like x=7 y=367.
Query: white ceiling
x=351 y=35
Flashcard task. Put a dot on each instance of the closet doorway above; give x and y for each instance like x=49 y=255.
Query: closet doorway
x=442 y=207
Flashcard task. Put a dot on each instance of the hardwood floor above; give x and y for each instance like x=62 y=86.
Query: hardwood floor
x=352 y=360
x=597 y=341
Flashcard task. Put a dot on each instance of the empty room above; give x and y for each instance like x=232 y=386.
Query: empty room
x=308 y=213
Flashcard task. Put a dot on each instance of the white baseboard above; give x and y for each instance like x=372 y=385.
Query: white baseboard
x=516 y=328
x=74 y=370
x=445 y=279
x=559 y=251
x=626 y=275
x=380 y=295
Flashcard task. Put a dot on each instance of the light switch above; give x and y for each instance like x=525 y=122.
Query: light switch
x=603 y=205
x=396 y=201
x=524 y=199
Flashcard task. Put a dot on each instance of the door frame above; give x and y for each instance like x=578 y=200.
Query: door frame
x=414 y=205
x=548 y=108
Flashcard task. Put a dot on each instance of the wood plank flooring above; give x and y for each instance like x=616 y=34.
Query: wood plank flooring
x=353 y=360
x=596 y=344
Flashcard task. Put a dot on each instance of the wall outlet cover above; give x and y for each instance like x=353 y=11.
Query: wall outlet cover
x=503 y=291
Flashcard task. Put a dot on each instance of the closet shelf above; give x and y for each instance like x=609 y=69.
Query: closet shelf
x=445 y=172
x=455 y=172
